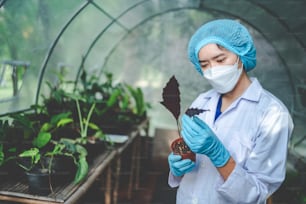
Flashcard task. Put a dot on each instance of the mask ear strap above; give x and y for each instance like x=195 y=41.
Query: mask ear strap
x=238 y=59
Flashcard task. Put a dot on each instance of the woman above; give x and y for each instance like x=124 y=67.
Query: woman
x=241 y=141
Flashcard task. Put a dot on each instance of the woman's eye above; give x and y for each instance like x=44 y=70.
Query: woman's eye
x=204 y=65
x=221 y=60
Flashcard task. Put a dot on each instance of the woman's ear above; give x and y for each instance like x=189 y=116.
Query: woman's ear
x=240 y=64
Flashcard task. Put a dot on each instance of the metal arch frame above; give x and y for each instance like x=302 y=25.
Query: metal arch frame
x=49 y=53
x=129 y=31
x=114 y=20
x=141 y=23
x=282 y=22
x=101 y=33
x=2 y=3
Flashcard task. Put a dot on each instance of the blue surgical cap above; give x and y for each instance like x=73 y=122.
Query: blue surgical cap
x=230 y=34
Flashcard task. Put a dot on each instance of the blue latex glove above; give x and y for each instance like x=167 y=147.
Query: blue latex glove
x=179 y=167
x=201 y=139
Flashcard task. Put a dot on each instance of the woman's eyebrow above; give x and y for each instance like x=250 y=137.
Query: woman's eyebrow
x=215 y=57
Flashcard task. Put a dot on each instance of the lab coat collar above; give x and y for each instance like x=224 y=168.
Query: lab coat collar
x=211 y=94
x=253 y=91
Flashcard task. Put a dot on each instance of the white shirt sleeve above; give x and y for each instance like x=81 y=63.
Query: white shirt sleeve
x=173 y=181
x=265 y=169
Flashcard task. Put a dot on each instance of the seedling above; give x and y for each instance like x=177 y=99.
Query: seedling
x=171 y=100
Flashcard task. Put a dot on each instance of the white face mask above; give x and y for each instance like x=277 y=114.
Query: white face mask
x=223 y=78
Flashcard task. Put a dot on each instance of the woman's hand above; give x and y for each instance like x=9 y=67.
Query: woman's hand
x=179 y=167
x=202 y=140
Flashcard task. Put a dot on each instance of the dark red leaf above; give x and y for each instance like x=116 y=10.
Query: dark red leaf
x=194 y=111
x=171 y=97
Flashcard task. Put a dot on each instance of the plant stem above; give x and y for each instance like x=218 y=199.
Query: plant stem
x=179 y=128
x=50 y=173
x=80 y=116
x=50 y=183
x=88 y=118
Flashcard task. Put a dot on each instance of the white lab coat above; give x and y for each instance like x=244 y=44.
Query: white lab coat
x=255 y=129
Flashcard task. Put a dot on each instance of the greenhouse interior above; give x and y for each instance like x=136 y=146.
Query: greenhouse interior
x=83 y=81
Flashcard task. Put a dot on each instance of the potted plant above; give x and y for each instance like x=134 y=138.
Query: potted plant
x=171 y=100
x=79 y=103
x=119 y=107
x=91 y=135
x=38 y=161
x=16 y=133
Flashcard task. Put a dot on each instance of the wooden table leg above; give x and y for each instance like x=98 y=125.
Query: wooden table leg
x=108 y=189
x=132 y=170
x=137 y=162
x=116 y=179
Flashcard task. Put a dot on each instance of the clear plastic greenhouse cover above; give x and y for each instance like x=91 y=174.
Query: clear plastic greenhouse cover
x=142 y=43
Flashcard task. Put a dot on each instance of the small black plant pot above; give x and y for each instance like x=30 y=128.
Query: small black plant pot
x=63 y=168
x=39 y=181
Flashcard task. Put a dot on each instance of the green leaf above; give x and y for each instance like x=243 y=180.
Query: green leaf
x=64 y=121
x=75 y=97
x=113 y=98
x=46 y=127
x=93 y=126
x=58 y=117
x=70 y=145
x=82 y=170
x=33 y=154
x=29 y=153
x=99 y=134
x=1 y=155
x=36 y=158
x=42 y=139
x=81 y=150
x=137 y=94
x=57 y=150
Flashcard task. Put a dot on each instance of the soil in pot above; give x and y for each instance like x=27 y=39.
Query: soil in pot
x=179 y=146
